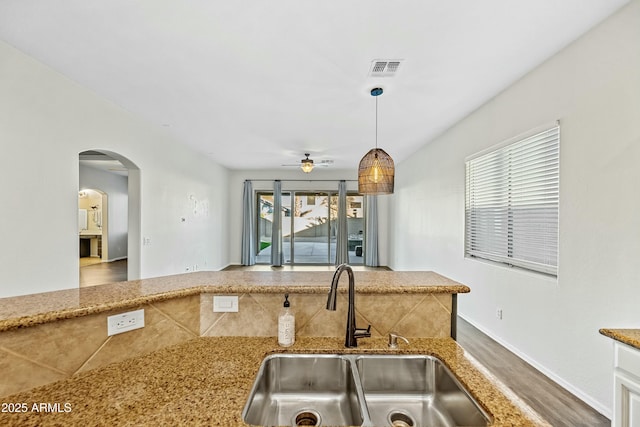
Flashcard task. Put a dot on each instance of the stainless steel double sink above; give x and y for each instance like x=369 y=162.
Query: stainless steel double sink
x=359 y=390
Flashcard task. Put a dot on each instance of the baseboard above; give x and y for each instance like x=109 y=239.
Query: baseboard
x=116 y=259
x=552 y=376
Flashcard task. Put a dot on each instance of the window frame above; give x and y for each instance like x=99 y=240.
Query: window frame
x=290 y=258
x=512 y=200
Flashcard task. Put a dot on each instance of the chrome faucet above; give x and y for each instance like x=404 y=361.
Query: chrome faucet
x=352 y=333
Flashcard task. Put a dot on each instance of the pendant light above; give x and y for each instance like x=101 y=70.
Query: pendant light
x=376 y=170
x=306 y=164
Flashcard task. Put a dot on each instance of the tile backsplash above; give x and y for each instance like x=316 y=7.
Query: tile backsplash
x=414 y=315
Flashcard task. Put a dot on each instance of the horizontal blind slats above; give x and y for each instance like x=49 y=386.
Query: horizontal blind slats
x=511 y=203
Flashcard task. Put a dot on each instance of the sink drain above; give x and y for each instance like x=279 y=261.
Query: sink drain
x=307 y=417
x=401 y=419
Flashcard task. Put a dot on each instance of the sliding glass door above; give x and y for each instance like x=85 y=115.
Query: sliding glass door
x=309 y=221
x=311 y=228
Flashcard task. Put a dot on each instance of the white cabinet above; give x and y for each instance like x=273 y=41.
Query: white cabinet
x=626 y=411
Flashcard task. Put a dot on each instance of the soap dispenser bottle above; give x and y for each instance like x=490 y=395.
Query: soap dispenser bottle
x=286 y=325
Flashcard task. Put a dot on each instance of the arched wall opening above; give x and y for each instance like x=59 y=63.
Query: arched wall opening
x=119 y=179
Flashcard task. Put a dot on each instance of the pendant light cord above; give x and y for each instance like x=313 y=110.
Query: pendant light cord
x=376 y=122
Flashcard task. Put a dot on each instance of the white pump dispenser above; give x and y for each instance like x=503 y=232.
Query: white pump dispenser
x=286 y=325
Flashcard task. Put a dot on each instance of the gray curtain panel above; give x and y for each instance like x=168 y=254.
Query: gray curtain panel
x=371 y=231
x=342 y=238
x=248 y=256
x=277 y=257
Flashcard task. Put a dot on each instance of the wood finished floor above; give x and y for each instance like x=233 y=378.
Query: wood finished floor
x=93 y=272
x=552 y=402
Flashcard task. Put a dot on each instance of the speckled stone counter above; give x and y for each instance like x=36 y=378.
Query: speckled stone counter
x=627 y=336
x=28 y=310
x=206 y=381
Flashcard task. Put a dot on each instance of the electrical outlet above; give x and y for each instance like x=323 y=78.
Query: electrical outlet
x=499 y=314
x=225 y=304
x=125 y=322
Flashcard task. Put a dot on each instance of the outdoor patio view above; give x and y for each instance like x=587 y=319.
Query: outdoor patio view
x=309 y=221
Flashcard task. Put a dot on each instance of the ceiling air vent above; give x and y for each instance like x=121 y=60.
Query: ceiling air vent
x=384 y=67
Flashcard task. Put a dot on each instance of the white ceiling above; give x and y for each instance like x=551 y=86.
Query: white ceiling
x=255 y=84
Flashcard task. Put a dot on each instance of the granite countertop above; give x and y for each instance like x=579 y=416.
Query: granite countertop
x=206 y=381
x=28 y=310
x=627 y=336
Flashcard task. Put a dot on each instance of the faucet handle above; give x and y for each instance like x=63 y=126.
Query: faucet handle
x=393 y=339
x=362 y=332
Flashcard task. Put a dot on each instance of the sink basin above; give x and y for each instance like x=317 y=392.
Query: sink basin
x=415 y=391
x=305 y=390
x=359 y=390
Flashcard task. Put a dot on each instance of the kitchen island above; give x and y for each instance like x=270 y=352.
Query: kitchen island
x=191 y=365
x=56 y=335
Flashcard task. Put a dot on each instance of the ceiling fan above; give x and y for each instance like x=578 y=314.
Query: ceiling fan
x=307 y=164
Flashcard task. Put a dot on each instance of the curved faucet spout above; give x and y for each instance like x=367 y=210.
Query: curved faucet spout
x=333 y=291
x=352 y=332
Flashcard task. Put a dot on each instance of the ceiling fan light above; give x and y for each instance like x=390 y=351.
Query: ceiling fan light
x=306 y=165
x=376 y=173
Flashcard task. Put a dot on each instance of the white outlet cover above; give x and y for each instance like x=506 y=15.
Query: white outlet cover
x=124 y=322
x=225 y=304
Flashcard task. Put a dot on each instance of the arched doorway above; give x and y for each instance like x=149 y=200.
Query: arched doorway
x=117 y=179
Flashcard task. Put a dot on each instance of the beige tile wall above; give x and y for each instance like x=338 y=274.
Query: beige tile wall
x=411 y=315
x=52 y=351
x=45 y=353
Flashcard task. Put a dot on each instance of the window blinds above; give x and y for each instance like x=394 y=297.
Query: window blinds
x=511 y=206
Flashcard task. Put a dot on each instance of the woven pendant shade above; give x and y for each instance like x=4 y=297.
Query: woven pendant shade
x=376 y=170
x=375 y=173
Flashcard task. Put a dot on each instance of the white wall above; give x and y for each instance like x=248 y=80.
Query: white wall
x=593 y=87
x=46 y=120
x=237 y=178
x=116 y=188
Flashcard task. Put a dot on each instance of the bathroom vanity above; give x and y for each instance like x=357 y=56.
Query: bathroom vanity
x=90 y=243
